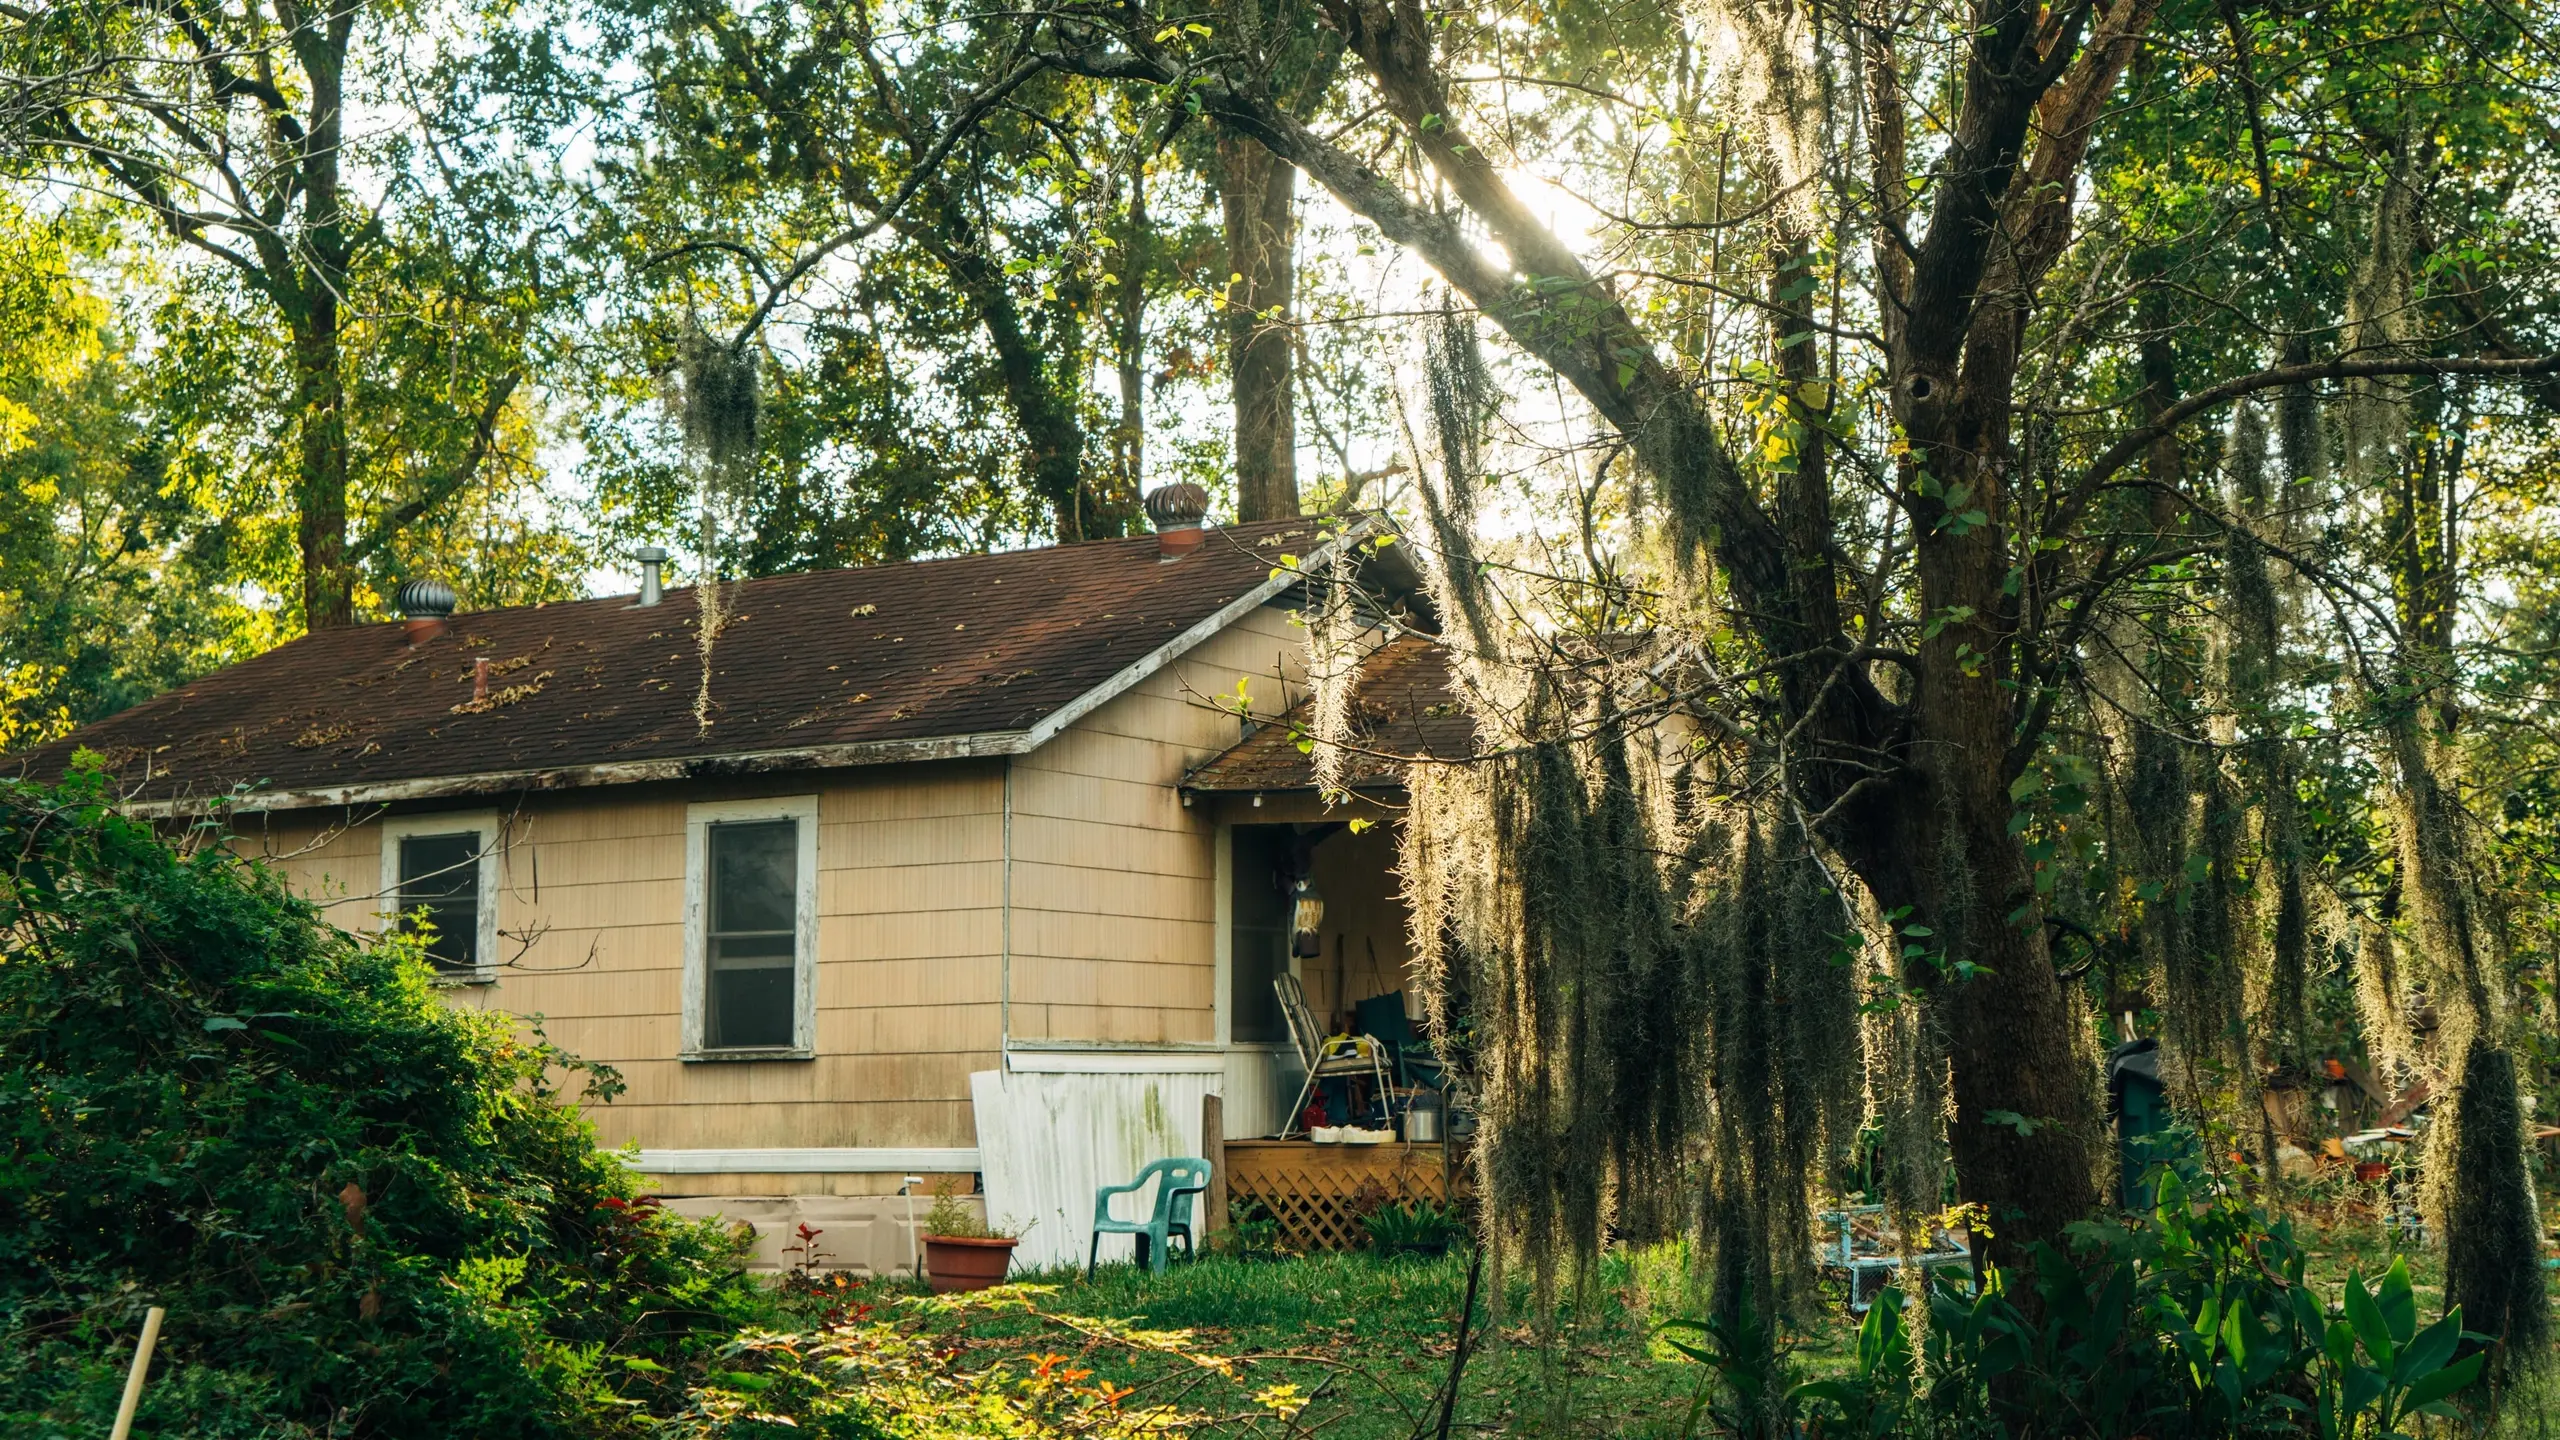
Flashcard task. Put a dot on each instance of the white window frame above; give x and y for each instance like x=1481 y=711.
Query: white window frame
x=487 y=826
x=698 y=820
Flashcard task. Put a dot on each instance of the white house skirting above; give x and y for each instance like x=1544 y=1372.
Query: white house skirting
x=1080 y=1060
x=805 y=1161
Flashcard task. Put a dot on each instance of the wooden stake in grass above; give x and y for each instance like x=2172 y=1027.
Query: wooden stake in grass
x=1213 y=1148
x=141 y=1367
x=1458 y=1353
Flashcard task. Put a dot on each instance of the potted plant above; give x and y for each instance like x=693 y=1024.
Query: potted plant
x=961 y=1250
x=1415 y=1227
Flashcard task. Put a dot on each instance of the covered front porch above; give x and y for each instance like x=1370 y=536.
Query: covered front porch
x=1311 y=908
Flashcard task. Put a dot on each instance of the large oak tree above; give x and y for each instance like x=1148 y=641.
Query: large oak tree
x=270 y=141
x=1921 y=545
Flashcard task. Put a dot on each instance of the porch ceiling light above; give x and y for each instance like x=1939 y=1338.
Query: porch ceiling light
x=1306 y=923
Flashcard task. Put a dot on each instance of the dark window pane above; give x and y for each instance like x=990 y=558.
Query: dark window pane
x=1258 y=939
x=441 y=875
x=752 y=873
x=753 y=935
x=751 y=1007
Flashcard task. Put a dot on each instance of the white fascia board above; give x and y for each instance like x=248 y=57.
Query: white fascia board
x=756 y=762
x=626 y=772
x=802 y=1161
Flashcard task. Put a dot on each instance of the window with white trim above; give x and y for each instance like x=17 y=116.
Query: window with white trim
x=751 y=921
x=440 y=879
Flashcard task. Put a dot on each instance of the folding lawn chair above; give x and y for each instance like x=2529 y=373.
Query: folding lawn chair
x=1343 y=1055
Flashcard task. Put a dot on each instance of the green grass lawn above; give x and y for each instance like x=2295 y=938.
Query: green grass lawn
x=1368 y=1340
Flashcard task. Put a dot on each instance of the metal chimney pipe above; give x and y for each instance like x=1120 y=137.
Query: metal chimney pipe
x=652 y=585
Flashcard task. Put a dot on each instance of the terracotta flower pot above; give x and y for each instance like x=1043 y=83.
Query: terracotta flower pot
x=2373 y=1171
x=957 y=1262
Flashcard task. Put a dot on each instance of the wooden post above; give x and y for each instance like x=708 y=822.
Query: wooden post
x=1213 y=1148
x=141 y=1367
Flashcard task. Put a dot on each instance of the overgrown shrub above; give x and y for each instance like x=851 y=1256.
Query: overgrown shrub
x=1413 y=1227
x=2194 y=1322
x=368 y=1213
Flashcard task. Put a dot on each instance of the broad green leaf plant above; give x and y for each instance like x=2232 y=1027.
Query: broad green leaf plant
x=2195 y=1320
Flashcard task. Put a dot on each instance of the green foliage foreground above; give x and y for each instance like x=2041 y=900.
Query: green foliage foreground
x=369 y=1214
x=2199 y=1321
x=366 y=1212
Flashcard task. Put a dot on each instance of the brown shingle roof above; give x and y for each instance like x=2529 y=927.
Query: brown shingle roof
x=1402 y=705
x=979 y=654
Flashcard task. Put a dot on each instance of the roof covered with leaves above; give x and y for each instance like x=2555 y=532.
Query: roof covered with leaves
x=980 y=654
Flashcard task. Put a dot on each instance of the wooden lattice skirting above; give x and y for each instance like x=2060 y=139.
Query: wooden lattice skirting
x=1319 y=1193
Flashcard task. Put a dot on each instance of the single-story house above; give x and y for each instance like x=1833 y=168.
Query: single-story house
x=964 y=867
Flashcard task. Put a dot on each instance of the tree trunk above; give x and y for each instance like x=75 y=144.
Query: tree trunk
x=1055 y=465
x=1262 y=248
x=320 y=498
x=2023 y=1124
x=1130 y=305
x=2493 y=1234
x=328 y=585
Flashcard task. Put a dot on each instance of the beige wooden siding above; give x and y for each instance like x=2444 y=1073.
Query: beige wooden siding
x=326 y=860
x=1115 y=900
x=910 y=942
x=1112 y=927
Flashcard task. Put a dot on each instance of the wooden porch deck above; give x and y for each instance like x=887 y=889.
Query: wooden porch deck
x=1319 y=1193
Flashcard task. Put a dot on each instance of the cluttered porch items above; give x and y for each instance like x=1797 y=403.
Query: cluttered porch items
x=1365 y=1086
x=1375 y=1124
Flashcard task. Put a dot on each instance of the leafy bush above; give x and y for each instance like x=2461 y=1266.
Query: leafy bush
x=2196 y=1321
x=1415 y=1226
x=368 y=1213
x=1251 y=1231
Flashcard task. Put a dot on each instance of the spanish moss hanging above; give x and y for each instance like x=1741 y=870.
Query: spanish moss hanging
x=717 y=408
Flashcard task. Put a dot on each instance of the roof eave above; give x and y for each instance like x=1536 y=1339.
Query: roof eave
x=1365 y=788
x=573 y=777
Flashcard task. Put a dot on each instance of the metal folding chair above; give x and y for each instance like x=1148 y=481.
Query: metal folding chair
x=1343 y=1055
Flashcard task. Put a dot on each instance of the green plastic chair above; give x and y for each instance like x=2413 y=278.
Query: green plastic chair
x=1182 y=1178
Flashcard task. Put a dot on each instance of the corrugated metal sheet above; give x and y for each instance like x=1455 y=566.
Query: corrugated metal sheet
x=1047 y=1142
x=1260 y=1083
